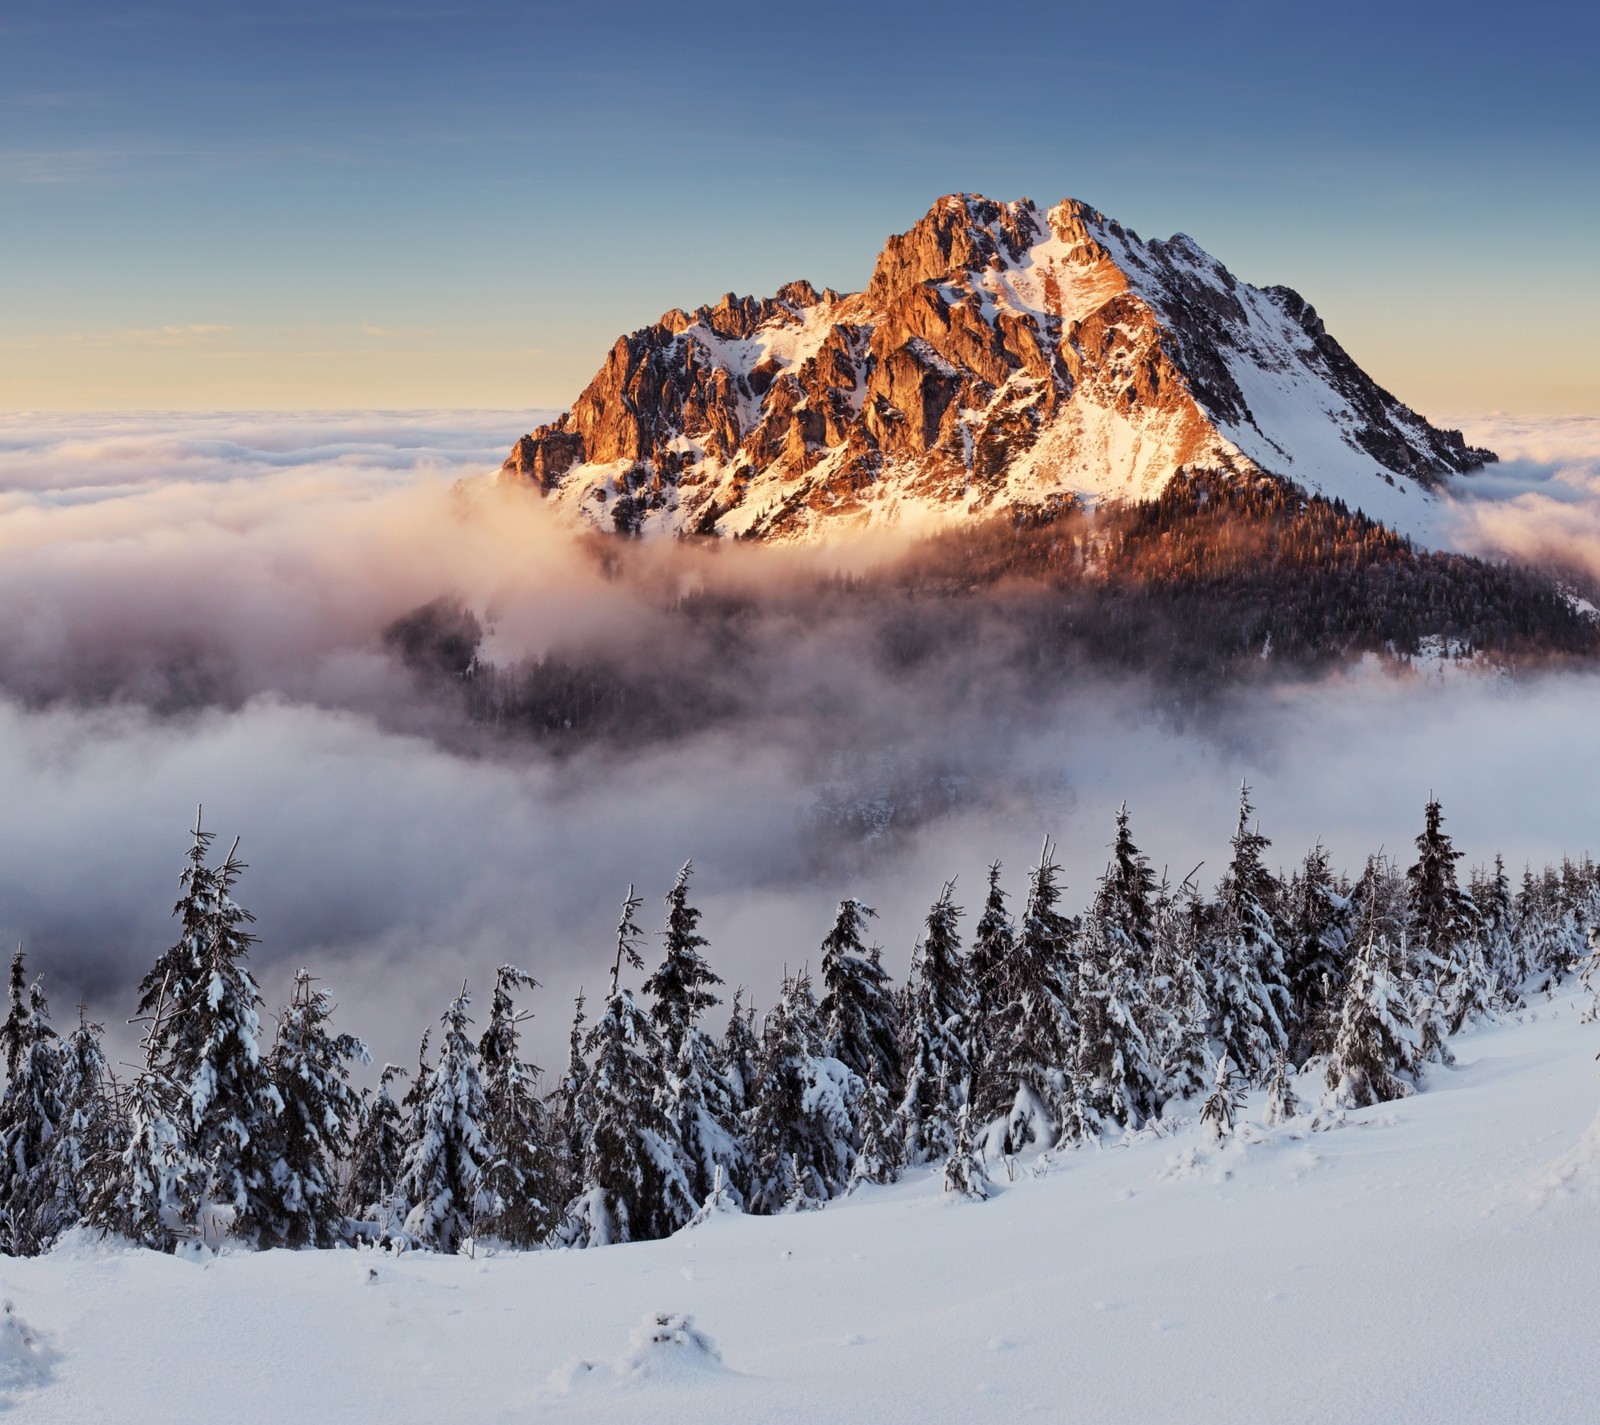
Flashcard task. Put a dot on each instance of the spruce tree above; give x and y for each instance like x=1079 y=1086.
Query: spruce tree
x=1316 y=917
x=991 y=972
x=699 y=1102
x=740 y=1052
x=201 y=1005
x=442 y=1175
x=1029 y=1092
x=634 y=1184
x=83 y=1147
x=571 y=1126
x=31 y=1112
x=804 y=1124
x=1374 y=1048
x=310 y=1070
x=522 y=1176
x=936 y=1031
x=1443 y=921
x=682 y=982
x=1282 y=1105
x=1222 y=1104
x=377 y=1161
x=1116 y=1063
x=1246 y=987
x=882 y=1153
x=147 y=1189
x=859 y=1013
x=1177 y=989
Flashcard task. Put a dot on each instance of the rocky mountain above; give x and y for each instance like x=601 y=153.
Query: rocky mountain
x=1000 y=358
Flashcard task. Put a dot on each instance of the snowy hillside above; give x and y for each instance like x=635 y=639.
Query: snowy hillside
x=1425 y=1260
x=1001 y=356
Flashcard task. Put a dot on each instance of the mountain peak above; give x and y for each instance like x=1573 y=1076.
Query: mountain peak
x=999 y=357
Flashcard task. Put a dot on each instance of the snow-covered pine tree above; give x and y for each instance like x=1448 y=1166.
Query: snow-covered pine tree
x=522 y=1176
x=1177 y=989
x=990 y=972
x=1443 y=922
x=681 y=984
x=935 y=1031
x=1029 y=1094
x=964 y=1172
x=1316 y=922
x=83 y=1146
x=202 y=1005
x=698 y=1100
x=1491 y=894
x=568 y=1109
x=859 y=1013
x=803 y=1125
x=30 y=1113
x=147 y=1189
x=310 y=1070
x=634 y=1185
x=1222 y=1104
x=442 y=1175
x=377 y=1160
x=1246 y=989
x=881 y=1156
x=1282 y=1105
x=740 y=1051
x=1374 y=1049
x=1116 y=1063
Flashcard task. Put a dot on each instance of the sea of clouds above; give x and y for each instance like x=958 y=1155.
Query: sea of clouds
x=192 y=613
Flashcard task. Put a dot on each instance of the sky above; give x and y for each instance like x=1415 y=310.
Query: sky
x=395 y=204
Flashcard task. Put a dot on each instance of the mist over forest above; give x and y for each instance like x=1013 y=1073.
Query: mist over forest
x=198 y=609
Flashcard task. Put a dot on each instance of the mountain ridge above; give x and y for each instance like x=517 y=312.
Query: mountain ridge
x=1001 y=357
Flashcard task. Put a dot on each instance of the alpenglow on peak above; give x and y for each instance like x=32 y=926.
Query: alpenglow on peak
x=1001 y=357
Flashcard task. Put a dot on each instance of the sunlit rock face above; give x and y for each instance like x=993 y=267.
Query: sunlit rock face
x=1001 y=358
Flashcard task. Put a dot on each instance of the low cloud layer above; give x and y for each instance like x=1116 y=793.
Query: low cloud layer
x=193 y=610
x=1542 y=502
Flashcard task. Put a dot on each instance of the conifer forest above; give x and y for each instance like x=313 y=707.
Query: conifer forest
x=1026 y=1026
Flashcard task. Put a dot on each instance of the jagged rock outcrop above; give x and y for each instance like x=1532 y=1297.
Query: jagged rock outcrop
x=1000 y=357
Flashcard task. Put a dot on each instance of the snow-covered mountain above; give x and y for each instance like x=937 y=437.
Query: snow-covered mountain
x=1000 y=357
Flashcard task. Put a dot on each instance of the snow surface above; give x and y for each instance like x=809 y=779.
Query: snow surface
x=1430 y=1260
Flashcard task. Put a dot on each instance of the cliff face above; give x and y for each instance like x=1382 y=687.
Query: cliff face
x=1000 y=357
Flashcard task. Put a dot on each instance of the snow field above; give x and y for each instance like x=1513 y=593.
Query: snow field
x=1431 y=1259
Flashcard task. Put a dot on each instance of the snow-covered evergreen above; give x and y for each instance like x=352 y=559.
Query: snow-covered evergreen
x=1374 y=1050
x=377 y=1161
x=936 y=1033
x=633 y=1176
x=859 y=1014
x=1246 y=985
x=521 y=1178
x=201 y=1006
x=803 y=1127
x=441 y=1177
x=1030 y=1090
x=1316 y=926
x=310 y=1068
x=700 y=1103
x=31 y=1111
x=1117 y=1064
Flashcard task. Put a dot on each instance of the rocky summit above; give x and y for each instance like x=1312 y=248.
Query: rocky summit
x=1002 y=358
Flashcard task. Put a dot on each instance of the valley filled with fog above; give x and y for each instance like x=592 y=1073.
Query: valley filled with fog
x=196 y=608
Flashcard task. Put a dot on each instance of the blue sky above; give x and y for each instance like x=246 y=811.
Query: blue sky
x=349 y=204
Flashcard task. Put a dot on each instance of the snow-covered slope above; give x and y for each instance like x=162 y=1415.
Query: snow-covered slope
x=1430 y=1260
x=1000 y=356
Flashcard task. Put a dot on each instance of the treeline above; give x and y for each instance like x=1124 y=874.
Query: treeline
x=1043 y=1031
x=1215 y=578
x=1217 y=568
